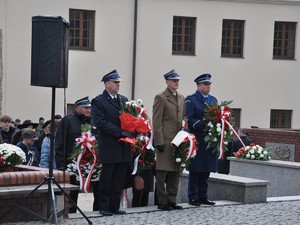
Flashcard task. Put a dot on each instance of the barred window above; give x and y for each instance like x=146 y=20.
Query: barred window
x=280 y=118
x=284 y=40
x=232 y=38
x=184 y=31
x=82 y=29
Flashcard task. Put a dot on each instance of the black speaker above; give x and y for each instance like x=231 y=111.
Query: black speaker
x=49 y=51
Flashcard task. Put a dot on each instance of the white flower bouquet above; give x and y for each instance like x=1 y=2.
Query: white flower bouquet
x=253 y=152
x=11 y=155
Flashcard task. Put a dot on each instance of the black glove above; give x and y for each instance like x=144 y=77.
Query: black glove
x=160 y=148
x=126 y=134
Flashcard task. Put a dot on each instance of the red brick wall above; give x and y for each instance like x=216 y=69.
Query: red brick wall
x=261 y=136
x=37 y=202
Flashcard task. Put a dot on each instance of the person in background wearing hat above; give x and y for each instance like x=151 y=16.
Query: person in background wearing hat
x=45 y=148
x=167 y=119
x=17 y=136
x=6 y=130
x=27 y=145
x=205 y=161
x=114 y=155
x=69 y=129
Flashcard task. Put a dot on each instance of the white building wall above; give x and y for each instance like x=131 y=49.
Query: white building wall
x=256 y=83
x=113 y=49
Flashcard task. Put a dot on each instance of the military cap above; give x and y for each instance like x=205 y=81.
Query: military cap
x=203 y=78
x=85 y=102
x=172 y=75
x=113 y=76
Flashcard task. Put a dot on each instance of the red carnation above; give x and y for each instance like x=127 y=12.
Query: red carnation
x=143 y=151
x=238 y=154
x=133 y=150
x=186 y=150
x=142 y=162
x=152 y=164
x=243 y=150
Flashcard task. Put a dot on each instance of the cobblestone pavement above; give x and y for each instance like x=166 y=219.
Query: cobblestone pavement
x=275 y=213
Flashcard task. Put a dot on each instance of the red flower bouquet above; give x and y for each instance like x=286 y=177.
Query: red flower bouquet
x=143 y=158
x=219 y=130
x=134 y=118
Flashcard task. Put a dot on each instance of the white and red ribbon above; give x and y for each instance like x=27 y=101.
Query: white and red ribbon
x=87 y=142
x=224 y=115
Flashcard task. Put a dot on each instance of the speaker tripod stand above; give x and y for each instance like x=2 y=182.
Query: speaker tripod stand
x=52 y=214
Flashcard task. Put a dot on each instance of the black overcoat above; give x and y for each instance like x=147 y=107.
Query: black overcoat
x=105 y=117
x=69 y=128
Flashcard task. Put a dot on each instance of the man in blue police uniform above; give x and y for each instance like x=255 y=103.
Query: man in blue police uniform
x=205 y=161
x=114 y=155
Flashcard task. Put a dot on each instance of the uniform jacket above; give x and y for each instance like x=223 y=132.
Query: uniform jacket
x=167 y=121
x=205 y=160
x=69 y=129
x=105 y=113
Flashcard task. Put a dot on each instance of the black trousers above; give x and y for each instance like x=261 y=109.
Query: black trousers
x=111 y=184
x=197 y=185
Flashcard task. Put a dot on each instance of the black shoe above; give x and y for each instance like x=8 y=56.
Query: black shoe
x=194 y=202
x=119 y=212
x=105 y=213
x=206 y=202
x=164 y=207
x=173 y=205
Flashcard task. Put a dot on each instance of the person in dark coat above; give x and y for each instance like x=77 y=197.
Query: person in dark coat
x=69 y=129
x=114 y=155
x=224 y=164
x=6 y=130
x=236 y=145
x=28 y=147
x=205 y=161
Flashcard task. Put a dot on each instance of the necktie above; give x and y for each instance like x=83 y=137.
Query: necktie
x=206 y=99
x=115 y=99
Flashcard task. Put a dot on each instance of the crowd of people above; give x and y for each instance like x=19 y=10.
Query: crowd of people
x=102 y=114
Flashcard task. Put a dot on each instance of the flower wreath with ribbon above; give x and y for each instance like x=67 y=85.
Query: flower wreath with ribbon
x=85 y=161
x=219 y=130
x=143 y=156
x=185 y=146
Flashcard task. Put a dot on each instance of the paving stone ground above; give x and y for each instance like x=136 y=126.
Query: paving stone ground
x=280 y=211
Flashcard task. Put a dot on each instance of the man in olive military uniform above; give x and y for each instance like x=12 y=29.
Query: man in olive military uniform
x=167 y=122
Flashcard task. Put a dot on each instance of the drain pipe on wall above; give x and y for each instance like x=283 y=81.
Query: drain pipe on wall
x=134 y=49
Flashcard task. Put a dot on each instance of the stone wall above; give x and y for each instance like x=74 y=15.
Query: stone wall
x=284 y=144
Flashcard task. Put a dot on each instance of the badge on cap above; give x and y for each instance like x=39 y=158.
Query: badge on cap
x=113 y=76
